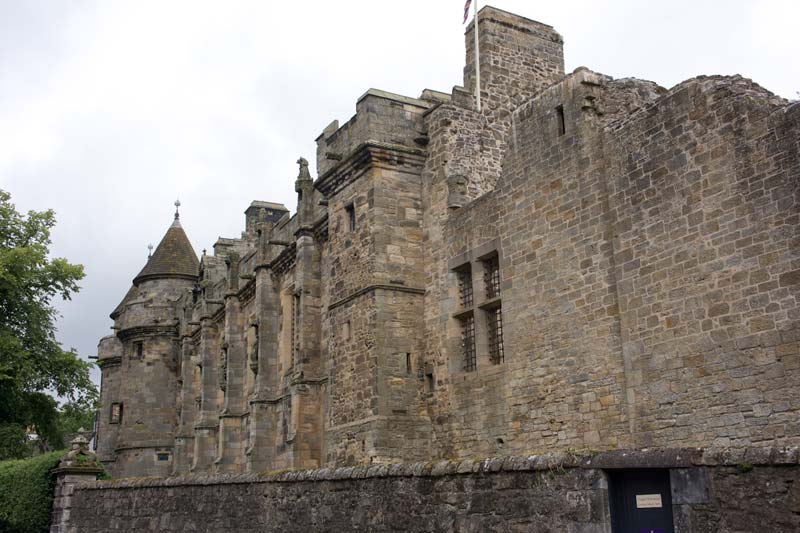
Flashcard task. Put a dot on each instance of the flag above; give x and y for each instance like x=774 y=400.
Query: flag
x=466 y=11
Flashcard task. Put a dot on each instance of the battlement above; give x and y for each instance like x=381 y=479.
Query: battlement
x=518 y=58
x=259 y=211
x=382 y=117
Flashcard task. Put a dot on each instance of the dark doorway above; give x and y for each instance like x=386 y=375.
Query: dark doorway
x=641 y=501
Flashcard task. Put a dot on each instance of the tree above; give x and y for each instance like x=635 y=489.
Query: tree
x=32 y=363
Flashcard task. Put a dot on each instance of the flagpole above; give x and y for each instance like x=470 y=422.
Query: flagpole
x=477 y=62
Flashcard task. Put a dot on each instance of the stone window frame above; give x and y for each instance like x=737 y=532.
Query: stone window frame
x=163 y=455
x=115 y=417
x=469 y=355
x=466 y=286
x=137 y=350
x=350 y=216
x=561 y=120
x=297 y=327
x=494 y=323
x=484 y=263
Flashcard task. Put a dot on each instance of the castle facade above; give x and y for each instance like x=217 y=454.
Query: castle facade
x=584 y=263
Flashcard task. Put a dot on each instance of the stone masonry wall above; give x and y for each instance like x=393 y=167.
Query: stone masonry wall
x=547 y=493
x=705 y=199
x=648 y=265
x=110 y=360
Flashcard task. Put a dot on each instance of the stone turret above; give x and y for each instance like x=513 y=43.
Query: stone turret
x=140 y=363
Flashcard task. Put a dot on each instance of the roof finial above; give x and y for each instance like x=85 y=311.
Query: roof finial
x=177 y=205
x=150 y=250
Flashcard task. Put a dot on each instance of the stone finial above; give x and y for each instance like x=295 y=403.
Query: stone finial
x=150 y=250
x=177 y=222
x=79 y=455
x=304 y=173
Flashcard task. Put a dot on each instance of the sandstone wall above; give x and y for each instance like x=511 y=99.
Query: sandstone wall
x=705 y=198
x=109 y=352
x=648 y=264
x=712 y=491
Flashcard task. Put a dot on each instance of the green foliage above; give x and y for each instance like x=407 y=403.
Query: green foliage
x=26 y=493
x=76 y=415
x=32 y=362
x=13 y=442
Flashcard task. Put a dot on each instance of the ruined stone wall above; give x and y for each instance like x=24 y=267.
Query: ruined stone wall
x=705 y=199
x=519 y=58
x=711 y=491
x=380 y=117
x=648 y=298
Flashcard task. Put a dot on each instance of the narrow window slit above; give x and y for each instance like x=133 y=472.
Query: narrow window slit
x=562 y=125
x=350 y=209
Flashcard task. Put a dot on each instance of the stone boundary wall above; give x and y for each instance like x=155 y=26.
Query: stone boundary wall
x=713 y=490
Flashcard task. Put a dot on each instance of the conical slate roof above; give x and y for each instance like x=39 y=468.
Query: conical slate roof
x=130 y=295
x=174 y=257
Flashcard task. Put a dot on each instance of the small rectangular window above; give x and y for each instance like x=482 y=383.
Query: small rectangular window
x=116 y=413
x=495 y=330
x=163 y=456
x=138 y=349
x=491 y=277
x=408 y=363
x=430 y=381
x=350 y=209
x=465 y=286
x=562 y=125
x=468 y=342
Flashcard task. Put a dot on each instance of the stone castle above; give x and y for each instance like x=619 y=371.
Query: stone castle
x=584 y=263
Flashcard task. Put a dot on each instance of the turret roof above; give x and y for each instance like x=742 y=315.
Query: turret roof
x=174 y=257
x=130 y=295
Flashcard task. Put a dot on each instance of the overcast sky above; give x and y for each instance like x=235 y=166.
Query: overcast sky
x=109 y=110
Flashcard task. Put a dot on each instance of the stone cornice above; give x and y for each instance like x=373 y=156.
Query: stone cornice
x=148 y=330
x=372 y=288
x=109 y=361
x=371 y=154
